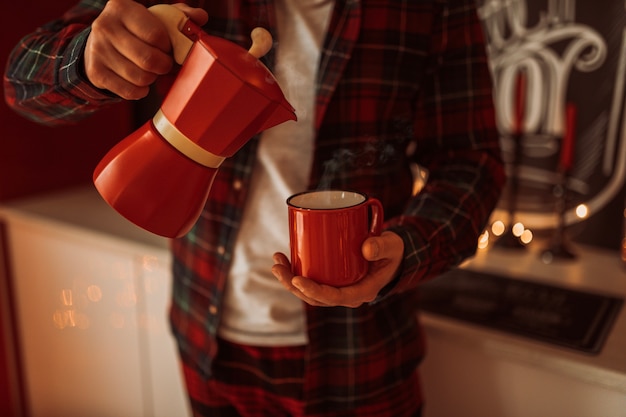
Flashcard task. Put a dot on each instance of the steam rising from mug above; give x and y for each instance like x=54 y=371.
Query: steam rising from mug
x=159 y=177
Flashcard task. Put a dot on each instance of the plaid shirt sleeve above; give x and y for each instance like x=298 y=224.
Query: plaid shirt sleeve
x=458 y=143
x=44 y=80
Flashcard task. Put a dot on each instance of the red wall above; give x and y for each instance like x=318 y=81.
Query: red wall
x=36 y=158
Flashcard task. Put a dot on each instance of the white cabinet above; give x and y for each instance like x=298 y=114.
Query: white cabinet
x=92 y=311
x=468 y=372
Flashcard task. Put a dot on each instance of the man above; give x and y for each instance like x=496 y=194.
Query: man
x=378 y=86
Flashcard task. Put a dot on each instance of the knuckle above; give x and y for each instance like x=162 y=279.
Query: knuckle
x=126 y=90
x=98 y=78
x=144 y=79
x=153 y=62
x=155 y=35
x=96 y=27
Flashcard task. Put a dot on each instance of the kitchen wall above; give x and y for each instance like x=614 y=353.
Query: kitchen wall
x=571 y=55
x=35 y=158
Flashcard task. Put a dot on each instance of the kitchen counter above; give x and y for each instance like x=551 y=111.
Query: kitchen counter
x=595 y=270
x=83 y=210
x=488 y=372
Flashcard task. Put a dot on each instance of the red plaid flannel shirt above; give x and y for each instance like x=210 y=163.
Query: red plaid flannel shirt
x=400 y=82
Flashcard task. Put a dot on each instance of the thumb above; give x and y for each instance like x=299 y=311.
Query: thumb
x=197 y=15
x=387 y=245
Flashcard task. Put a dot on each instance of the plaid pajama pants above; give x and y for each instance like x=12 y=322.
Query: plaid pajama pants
x=267 y=382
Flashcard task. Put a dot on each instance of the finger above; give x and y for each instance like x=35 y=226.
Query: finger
x=138 y=21
x=197 y=15
x=281 y=259
x=286 y=278
x=107 y=79
x=147 y=51
x=282 y=271
x=322 y=295
x=309 y=291
x=136 y=34
x=387 y=245
x=107 y=69
x=350 y=296
x=116 y=59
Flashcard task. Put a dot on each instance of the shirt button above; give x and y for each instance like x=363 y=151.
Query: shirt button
x=237 y=185
x=213 y=309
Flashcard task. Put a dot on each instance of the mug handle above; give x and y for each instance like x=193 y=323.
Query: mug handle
x=377 y=216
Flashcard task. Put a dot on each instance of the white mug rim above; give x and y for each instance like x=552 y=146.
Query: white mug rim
x=300 y=207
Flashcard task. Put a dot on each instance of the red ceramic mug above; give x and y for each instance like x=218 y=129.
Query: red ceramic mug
x=326 y=231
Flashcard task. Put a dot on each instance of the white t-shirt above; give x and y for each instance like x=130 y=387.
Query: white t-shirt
x=257 y=309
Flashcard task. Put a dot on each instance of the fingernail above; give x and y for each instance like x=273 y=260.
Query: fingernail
x=376 y=249
x=373 y=249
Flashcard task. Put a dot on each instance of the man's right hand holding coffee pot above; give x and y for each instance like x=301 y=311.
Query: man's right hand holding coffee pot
x=129 y=48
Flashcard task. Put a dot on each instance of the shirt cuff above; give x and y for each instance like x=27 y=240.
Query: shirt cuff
x=72 y=77
x=409 y=263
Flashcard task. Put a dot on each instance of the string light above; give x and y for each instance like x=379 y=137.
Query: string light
x=498 y=227
x=582 y=211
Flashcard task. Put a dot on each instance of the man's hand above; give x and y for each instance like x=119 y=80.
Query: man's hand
x=128 y=48
x=384 y=253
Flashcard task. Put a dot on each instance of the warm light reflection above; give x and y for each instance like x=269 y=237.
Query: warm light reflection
x=58 y=318
x=70 y=317
x=73 y=303
x=497 y=228
x=518 y=229
x=149 y=262
x=526 y=237
x=483 y=240
x=547 y=257
x=582 y=211
x=420 y=176
x=94 y=293
x=67 y=297
x=69 y=314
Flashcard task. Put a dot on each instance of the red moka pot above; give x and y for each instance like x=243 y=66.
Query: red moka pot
x=160 y=176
